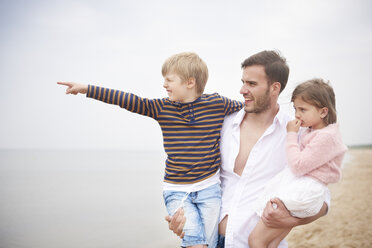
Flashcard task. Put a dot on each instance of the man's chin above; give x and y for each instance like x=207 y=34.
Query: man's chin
x=249 y=110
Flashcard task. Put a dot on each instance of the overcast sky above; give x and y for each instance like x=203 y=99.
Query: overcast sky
x=123 y=44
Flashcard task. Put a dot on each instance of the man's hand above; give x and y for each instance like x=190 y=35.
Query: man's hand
x=74 y=88
x=276 y=215
x=177 y=222
x=293 y=126
x=280 y=217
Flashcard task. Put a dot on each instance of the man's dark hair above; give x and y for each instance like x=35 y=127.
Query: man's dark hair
x=275 y=65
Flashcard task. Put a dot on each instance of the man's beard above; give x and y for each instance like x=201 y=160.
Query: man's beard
x=261 y=103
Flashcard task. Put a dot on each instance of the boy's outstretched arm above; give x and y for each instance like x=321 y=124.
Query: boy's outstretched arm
x=75 y=88
x=128 y=101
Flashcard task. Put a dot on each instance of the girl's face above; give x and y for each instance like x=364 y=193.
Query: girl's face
x=309 y=115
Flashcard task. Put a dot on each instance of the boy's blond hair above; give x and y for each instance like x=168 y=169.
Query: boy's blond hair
x=187 y=65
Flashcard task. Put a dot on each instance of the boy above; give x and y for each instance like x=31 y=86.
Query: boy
x=191 y=123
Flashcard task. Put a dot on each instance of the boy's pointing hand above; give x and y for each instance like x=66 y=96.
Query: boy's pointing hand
x=74 y=88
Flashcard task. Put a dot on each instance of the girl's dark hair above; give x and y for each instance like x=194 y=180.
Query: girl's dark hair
x=319 y=94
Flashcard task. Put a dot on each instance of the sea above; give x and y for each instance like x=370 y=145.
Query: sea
x=82 y=199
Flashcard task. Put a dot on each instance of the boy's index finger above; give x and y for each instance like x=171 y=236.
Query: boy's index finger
x=65 y=83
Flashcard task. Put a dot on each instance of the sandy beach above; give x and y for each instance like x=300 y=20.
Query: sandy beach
x=348 y=223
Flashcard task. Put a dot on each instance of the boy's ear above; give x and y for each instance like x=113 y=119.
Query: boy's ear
x=191 y=83
x=323 y=112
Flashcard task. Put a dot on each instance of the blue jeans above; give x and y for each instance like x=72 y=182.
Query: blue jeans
x=221 y=241
x=202 y=210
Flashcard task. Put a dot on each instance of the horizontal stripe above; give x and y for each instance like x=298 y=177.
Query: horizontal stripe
x=169 y=137
x=197 y=132
x=185 y=163
x=175 y=147
x=183 y=170
x=169 y=143
x=194 y=171
x=191 y=131
x=208 y=121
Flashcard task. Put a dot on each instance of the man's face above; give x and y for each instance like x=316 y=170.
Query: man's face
x=255 y=89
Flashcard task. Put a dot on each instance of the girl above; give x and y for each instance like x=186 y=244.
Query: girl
x=314 y=153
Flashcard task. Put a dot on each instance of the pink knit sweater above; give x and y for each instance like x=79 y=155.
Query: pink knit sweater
x=316 y=153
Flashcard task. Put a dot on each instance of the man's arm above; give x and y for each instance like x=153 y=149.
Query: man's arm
x=280 y=217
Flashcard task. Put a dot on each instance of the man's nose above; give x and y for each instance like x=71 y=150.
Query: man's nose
x=244 y=89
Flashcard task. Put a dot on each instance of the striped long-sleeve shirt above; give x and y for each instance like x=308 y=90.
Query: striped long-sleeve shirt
x=191 y=131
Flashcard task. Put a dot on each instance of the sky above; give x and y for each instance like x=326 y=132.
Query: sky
x=123 y=44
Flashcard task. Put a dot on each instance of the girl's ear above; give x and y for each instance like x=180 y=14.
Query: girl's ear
x=323 y=112
x=191 y=83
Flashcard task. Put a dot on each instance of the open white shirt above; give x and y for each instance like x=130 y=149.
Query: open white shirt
x=239 y=193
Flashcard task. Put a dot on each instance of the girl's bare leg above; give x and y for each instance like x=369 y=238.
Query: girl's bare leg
x=263 y=236
x=275 y=243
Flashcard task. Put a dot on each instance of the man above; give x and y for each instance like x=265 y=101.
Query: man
x=252 y=152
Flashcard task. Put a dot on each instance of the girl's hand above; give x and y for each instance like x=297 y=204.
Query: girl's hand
x=293 y=126
x=74 y=88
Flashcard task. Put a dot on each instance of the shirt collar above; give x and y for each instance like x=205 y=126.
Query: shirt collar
x=180 y=104
x=281 y=117
x=239 y=117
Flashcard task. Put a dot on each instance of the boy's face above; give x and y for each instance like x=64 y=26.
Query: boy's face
x=176 y=89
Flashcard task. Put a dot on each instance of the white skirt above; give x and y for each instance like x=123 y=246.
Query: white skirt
x=302 y=196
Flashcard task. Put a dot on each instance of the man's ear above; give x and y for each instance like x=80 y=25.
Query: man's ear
x=191 y=83
x=323 y=112
x=276 y=87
